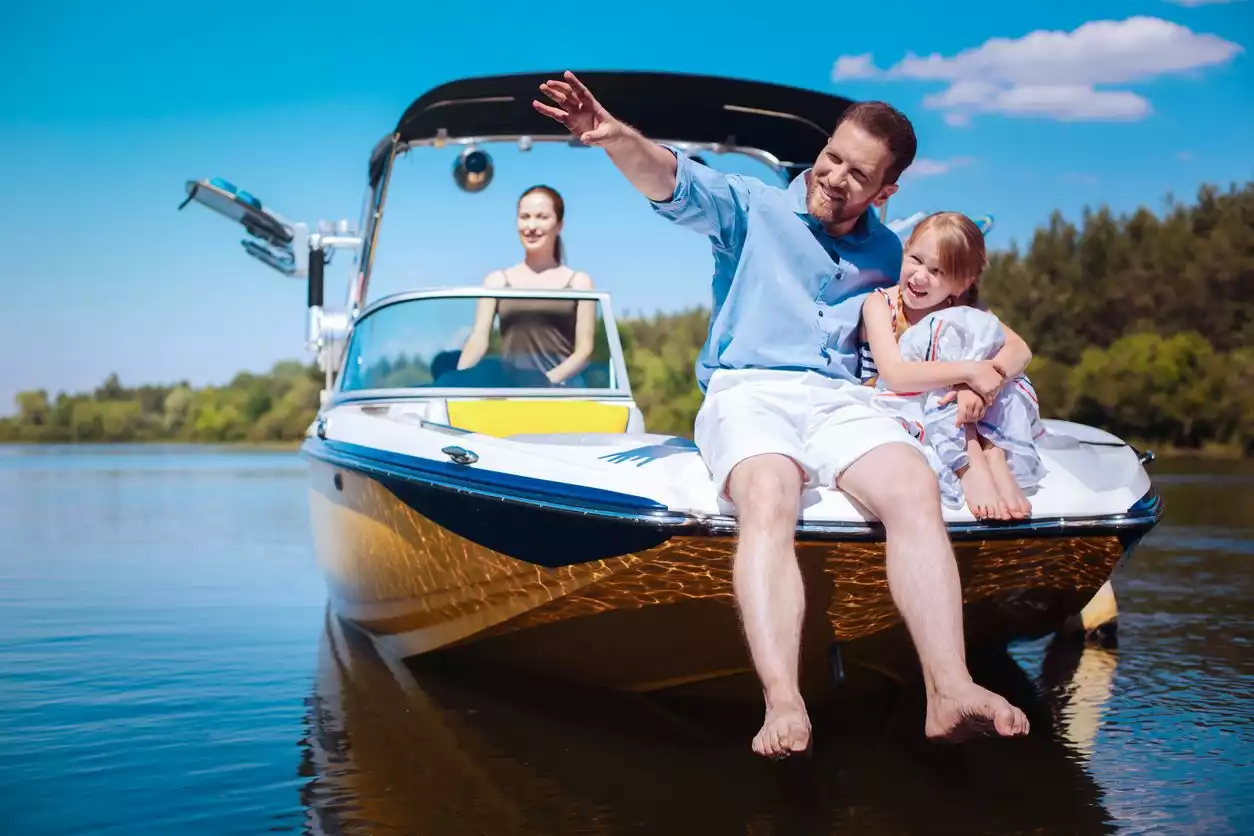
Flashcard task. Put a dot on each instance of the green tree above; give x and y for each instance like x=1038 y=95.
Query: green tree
x=33 y=409
x=175 y=408
x=111 y=390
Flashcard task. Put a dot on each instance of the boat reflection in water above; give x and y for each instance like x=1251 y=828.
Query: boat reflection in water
x=429 y=746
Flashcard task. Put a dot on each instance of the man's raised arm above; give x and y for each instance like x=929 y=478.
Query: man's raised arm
x=648 y=166
x=689 y=194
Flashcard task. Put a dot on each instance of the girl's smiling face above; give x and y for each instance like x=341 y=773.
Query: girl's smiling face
x=928 y=280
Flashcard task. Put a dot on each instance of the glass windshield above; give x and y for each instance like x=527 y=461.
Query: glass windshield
x=433 y=233
x=481 y=343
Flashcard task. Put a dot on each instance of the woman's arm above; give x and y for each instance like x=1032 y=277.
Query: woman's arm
x=481 y=332
x=585 y=334
x=902 y=376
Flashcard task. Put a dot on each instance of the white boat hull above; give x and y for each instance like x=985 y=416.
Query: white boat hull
x=606 y=558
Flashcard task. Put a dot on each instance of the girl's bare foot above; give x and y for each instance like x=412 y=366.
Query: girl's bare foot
x=981 y=492
x=1016 y=503
x=785 y=731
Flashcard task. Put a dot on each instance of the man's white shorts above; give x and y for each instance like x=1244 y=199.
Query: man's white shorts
x=821 y=423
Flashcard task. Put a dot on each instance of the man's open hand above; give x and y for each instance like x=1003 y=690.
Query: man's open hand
x=578 y=110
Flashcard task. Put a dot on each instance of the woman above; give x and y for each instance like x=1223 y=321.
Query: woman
x=553 y=337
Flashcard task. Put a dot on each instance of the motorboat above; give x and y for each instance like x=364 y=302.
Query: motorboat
x=486 y=514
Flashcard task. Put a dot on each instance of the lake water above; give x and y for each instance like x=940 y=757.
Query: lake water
x=167 y=665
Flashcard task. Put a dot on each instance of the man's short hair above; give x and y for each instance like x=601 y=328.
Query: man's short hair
x=889 y=125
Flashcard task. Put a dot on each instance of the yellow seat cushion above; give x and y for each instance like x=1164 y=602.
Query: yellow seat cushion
x=503 y=417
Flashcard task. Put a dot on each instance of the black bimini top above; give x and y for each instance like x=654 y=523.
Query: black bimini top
x=790 y=123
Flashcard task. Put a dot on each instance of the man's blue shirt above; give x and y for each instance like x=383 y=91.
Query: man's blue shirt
x=786 y=294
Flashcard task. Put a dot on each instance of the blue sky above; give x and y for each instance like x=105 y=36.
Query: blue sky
x=108 y=109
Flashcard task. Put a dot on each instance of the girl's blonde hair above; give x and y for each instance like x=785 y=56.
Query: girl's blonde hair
x=960 y=248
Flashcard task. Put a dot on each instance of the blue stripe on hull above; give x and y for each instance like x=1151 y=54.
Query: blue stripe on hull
x=543 y=536
x=458 y=475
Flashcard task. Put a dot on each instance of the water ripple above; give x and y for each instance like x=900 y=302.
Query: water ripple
x=166 y=665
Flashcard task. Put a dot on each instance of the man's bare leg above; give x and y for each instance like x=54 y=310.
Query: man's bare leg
x=895 y=483
x=766 y=490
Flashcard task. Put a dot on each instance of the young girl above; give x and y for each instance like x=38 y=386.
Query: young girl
x=952 y=373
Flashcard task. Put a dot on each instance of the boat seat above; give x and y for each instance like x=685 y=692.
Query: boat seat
x=502 y=417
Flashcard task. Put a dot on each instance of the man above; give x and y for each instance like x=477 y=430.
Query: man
x=783 y=409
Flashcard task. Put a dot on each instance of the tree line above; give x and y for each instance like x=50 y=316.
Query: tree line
x=274 y=407
x=1141 y=324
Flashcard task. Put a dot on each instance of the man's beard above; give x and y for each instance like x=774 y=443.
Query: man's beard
x=830 y=211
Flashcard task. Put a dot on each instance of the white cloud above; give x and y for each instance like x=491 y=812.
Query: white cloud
x=854 y=66
x=1099 y=52
x=1058 y=101
x=1056 y=74
x=927 y=167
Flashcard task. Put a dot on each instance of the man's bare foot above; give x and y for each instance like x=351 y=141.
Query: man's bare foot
x=1016 y=503
x=981 y=492
x=785 y=731
x=969 y=711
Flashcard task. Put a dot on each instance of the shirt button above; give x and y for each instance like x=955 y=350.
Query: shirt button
x=820 y=313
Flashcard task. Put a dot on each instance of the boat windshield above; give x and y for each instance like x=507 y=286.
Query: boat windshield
x=532 y=342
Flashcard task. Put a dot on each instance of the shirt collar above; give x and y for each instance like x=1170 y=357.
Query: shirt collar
x=797 y=197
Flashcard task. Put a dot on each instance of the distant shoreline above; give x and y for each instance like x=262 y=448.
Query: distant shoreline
x=1218 y=452
x=1214 y=452
x=273 y=446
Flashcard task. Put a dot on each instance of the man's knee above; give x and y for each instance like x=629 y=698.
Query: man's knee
x=895 y=483
x=766 y=489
